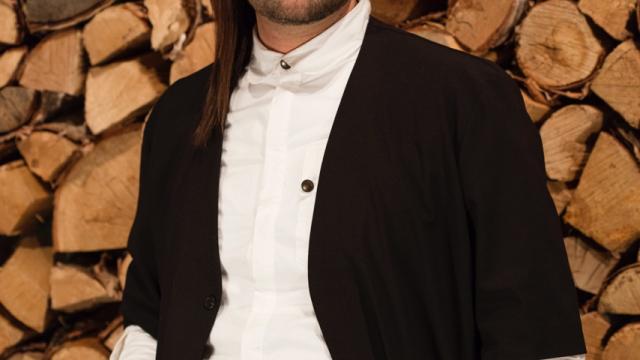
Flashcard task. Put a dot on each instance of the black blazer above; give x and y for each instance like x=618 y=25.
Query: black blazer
x=433 y=234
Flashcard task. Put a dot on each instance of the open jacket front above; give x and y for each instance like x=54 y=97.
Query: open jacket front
x=433 y=234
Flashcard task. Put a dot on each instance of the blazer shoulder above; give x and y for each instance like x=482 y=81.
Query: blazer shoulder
x=422 y=59
x=178 y=104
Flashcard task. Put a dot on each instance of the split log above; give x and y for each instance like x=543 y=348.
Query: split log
x=88 y=218
x=594 y=329
x=67 y=126
x=395 y=11
x=45 y=15
x=480 y=25
x=197 y=54
x=589 y=267
x=556 y=46
x=560 y=194
x=612 y=16
x=112 y=333
x=536 y=109
x=56 y=63
x=46 y=153
x=435 y=32
x=51 y=103
x=624 y=344
x=85 y=348
x=618 y=82
x=74 y=288
x=120 y=91
x=10 y=60
x=25 y=283
x=10 y=31
x=123 y=266
x=10 y=334
x=622 y=293
x=564 y=136
x=172 y=21
x=29 y=355
x=17 y=105
x=128 y=30
x=208 y=7
x=606 y=204
x=22 y=198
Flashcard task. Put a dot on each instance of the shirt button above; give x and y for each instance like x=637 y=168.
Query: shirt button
x=284 y=65
x=307 y=185
x=209 y=302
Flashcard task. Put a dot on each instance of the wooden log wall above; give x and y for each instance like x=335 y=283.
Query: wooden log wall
x=77 y=80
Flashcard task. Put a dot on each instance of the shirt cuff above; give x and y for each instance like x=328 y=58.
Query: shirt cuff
x=134 y=344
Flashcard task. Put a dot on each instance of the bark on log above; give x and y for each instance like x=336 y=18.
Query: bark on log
x=25 y=283
x=17 y=105
x=88 y=218
x=118 y=92
x=128 y=27
x=23 y=200
x=197 y=54
x=10 y=61
x=56 y=63
x=480 y=25
x=606 y=203
x=45 y=15
x=564 y=136
x=556 y=48
x=612 y=16
x=618 y=81
x=624 y=344
x=622 y=292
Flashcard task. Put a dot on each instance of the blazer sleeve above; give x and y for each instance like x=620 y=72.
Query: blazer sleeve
x=141 y=295
x=524 y=297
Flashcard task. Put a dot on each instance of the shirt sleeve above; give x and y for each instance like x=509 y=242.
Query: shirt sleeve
x=134 y=344
x=526 y=304
x=574 y=357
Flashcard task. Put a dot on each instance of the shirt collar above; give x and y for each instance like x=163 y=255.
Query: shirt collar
x=314 y=59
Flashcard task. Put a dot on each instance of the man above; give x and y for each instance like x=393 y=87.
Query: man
x=335 y=188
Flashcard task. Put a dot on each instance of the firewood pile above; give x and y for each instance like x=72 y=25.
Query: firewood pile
x=78 y=78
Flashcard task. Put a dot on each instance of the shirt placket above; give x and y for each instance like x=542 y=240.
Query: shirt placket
x=263 y=253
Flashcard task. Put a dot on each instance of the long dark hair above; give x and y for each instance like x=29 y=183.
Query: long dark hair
x=234 y=23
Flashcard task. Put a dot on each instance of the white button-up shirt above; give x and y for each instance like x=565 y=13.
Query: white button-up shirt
x=277 y=128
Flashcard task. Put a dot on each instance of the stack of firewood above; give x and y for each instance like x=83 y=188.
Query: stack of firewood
x=78 y=78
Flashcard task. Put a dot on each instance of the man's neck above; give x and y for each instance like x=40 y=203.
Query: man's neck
x=284 y=38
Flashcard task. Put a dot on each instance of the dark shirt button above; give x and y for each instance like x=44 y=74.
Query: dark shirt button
x=207 y=351
x=210 y=302
x=307 y=185
x=284 y=65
